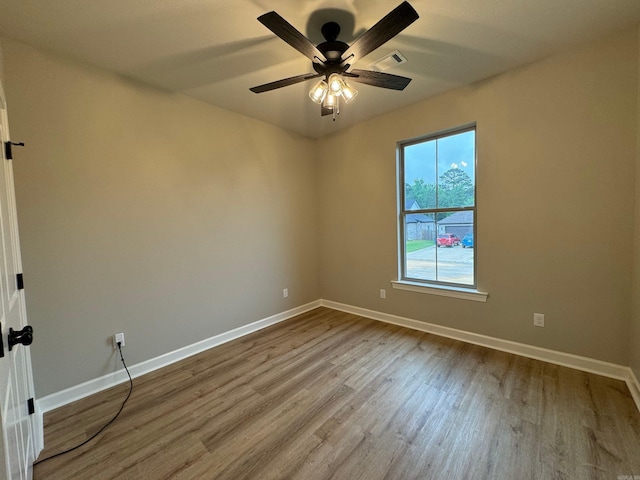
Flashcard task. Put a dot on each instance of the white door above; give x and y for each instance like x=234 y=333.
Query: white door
x=18 y=437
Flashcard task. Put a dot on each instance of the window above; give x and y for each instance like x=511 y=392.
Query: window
x=437 y=180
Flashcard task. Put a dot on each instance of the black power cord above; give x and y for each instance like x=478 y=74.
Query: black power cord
x=106 y=425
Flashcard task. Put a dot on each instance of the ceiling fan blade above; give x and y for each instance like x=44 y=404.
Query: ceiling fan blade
x=293 y=37
x=285 y=82
x=325 y=111
x=379 y=79
x=383 y=31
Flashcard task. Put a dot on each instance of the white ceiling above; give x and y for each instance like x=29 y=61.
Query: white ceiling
x=214 y=50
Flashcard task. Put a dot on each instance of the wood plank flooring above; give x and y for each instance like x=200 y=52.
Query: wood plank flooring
x=329 y=395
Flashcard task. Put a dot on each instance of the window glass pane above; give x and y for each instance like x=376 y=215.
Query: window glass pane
x=455 y=248
x=456 y=170
x=420 y=176
x=449 y=258
x=419 y=246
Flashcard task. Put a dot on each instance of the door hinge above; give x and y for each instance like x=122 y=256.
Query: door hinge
x=19 y=281
x=8 y=154
x=31 y=406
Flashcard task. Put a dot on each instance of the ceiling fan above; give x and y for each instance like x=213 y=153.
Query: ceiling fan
x=333 y=59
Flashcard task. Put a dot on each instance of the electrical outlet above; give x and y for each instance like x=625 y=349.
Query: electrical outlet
x=383 y=293
x=285 y=292
x=118 y=337
x=538 y=319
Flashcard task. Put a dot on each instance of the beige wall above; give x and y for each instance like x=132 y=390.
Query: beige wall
x=150 y=214
x=556 y=163
x=1 y=65
x=635 y=329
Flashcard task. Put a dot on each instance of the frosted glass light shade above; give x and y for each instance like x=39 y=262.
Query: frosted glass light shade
x=319 y=91
x=330 y=101
x=336 y=84
x=348 y=92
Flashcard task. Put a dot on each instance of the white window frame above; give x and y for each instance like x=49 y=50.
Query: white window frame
x=434 y=287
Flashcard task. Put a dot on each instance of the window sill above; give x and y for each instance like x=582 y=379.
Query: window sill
x=454 y=292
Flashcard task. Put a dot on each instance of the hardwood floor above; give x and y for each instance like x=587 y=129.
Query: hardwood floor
x=329 y=395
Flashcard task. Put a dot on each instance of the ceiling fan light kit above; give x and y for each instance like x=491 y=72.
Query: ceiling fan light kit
x=332 y=59
x=328 y=93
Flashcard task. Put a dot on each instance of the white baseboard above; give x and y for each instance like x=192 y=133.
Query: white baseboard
x=585 y=364
x=69 y=395
x=77 y=392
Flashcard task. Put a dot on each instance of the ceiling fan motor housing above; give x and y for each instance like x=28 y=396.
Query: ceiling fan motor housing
x=332 y=49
